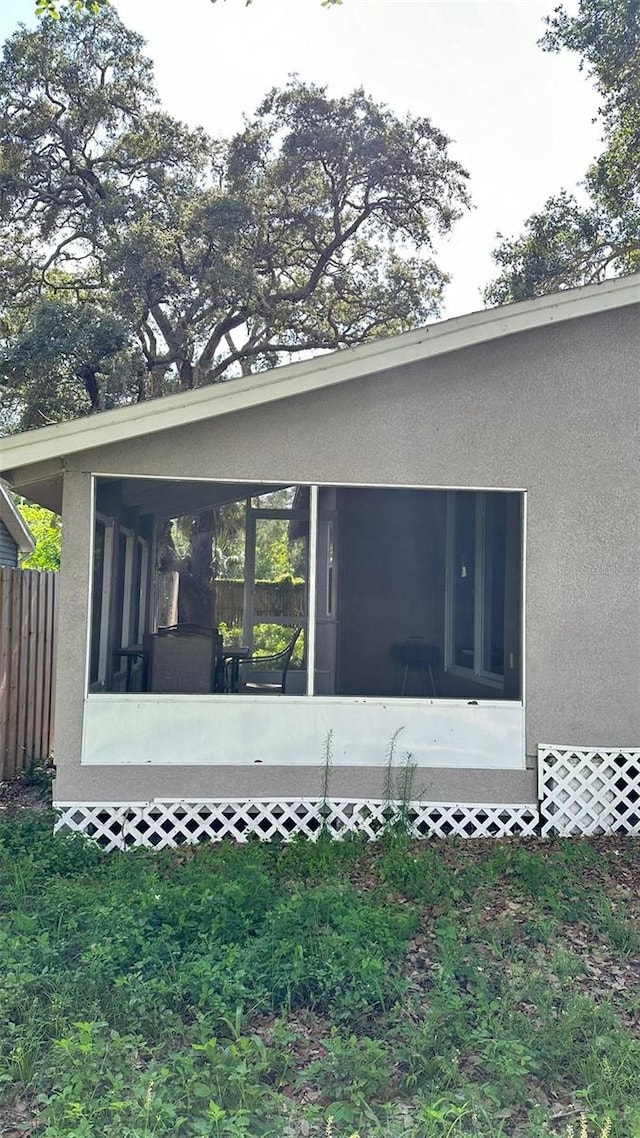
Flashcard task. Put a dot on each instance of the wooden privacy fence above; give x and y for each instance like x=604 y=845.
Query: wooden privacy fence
x=274 y=601
x=27 y=660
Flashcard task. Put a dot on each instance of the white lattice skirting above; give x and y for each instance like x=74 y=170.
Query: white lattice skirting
x=589 y=791
x=158 y=824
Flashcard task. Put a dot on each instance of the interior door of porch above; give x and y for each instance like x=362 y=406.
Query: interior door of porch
x=326 y=604
x=275 y=583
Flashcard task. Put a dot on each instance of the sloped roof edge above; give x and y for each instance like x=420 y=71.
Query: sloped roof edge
x=311 y=375
x=16 y=524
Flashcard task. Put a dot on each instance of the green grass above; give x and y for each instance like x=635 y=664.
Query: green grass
x=420 y=989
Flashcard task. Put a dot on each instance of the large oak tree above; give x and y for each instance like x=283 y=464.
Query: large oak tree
x=138 y=256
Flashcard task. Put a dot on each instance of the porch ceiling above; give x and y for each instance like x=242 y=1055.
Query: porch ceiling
x=45 y=492
x=176 y=499
x=39 y=482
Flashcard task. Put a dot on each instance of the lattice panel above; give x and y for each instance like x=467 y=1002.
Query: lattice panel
x=161 y=824
x=589 y=791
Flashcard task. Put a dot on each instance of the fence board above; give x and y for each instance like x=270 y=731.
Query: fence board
x=47 y=741
x=44 y=627
x=5 y=662
x=14 y=675
x=39 y=714
x=274 y=602
x=30 y=731
x=23 y=713
x=28 y=601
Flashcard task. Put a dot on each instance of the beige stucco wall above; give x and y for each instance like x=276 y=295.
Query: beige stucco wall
x=553 y=412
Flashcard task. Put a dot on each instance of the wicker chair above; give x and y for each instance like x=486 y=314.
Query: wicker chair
x=184 y=659
x=279 y=662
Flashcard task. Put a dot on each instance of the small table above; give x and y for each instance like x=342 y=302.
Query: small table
x=231 y=655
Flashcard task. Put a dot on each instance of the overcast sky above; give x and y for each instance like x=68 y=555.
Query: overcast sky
x=521 y=120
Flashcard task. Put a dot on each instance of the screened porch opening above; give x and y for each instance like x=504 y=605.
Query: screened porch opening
x=238 y=589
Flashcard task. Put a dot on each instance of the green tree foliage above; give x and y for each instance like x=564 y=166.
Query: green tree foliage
x=324 y=3
x=53 y=7
x=45 y=527
x=179 y=260
x=278 y=555
x=69 y=358
x=569 y=243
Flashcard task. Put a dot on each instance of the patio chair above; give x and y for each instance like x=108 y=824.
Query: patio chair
x=184 y=659
x=278 y=662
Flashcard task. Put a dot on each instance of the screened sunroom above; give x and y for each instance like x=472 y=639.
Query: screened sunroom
x=235 y=589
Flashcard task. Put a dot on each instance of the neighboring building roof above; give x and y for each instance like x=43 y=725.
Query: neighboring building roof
x=15 y=524
x=327 y=370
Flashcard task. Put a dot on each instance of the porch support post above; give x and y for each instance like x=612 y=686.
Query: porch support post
x=311 y=599
x=115 y=583
x=249 y=575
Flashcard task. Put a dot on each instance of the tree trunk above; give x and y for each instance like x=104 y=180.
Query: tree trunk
x=186 y=375
x=157 y=378
x=89 y=377
x=196 y=599
x=196 y=594
x=167 y=598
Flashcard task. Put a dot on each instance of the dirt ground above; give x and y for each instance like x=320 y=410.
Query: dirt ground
x=20 y=794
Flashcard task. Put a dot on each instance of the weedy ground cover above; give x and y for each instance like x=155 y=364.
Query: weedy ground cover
x=433 y=989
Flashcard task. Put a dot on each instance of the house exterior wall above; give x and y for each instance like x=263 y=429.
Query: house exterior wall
x=550 y=411
x=8 y=548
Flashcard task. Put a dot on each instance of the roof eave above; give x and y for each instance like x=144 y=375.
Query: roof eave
x=312 y=375
x=16 y=524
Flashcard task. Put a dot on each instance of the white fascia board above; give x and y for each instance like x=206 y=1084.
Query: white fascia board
x=313 y=375
x=16 y=524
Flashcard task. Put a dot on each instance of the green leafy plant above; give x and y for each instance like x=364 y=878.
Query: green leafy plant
x=268 y=639
x=581 y=1130
x=330 y=948
x=39 y=774
x=243 y=990
x=46 y=528
x=353 y=1069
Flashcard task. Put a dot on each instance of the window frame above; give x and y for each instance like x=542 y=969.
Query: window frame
x=105 y=599
x=478 y=671
x=254 y=514
x=315 y=514
x=141 y=551
x=127 y=584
